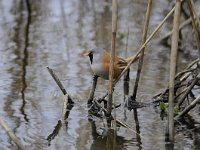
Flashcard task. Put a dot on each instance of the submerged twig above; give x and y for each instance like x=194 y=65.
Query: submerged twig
x=67 y=101
x=61 y=123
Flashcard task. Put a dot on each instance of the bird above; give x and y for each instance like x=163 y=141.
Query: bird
x=100 y=62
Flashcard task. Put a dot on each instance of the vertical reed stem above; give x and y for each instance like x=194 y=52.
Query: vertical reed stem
x=173 y=62
x=112 y=55
x=144 y=37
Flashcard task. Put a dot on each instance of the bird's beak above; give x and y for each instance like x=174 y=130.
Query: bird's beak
x=86 y=53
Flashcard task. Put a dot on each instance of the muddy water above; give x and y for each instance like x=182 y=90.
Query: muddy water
x=54 y=33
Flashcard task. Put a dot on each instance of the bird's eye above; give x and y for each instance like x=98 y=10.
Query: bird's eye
x=91 y=57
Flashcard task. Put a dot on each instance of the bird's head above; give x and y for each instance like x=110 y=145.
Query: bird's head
x=95 y=53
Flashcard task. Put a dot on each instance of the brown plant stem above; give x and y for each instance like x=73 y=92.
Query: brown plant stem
x=144 y=37
x=188 y=90
x=189 y=107
x=173 y=64
x=112 y=56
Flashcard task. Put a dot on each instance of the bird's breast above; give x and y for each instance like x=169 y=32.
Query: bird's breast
x=99 y=70
x=100 y=66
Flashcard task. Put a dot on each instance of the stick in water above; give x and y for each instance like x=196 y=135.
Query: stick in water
x=56 y=79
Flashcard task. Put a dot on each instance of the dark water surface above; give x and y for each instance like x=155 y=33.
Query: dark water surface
x=54 y=33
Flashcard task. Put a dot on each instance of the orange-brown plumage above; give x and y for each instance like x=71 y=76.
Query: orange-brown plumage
x=100 y=61
x=119 y=64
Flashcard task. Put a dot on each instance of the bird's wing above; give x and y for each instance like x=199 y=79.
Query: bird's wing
x=121 y=63
x=134 y=60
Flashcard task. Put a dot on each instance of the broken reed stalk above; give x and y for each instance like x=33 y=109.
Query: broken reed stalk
x=67 y=99
x=189 y=107
x=173 y=63
x=56 y=79
x=112 y=58
x=189 y=89
x=195 y=26
x=139 y=51
x=144 y=37
x=11 y=134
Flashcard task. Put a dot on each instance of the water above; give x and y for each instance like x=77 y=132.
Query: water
x=56 y=35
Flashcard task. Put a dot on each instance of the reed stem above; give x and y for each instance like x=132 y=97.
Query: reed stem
x=144 y=37
x=173 y=65
x=112 y=58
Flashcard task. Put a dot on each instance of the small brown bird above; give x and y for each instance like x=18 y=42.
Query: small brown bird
x=100 y=61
